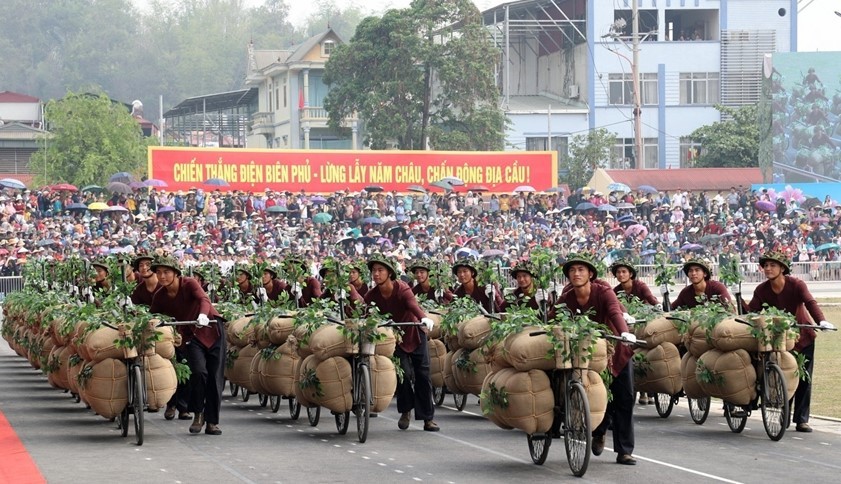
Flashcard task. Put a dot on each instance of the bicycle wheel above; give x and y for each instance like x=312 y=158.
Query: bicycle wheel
x=539 y=447
x=460 y=400
x=664 y=403
x=244 y=394
x=699 y=409
x=362 y=402
x=313 y=414
x=234 y=388
x=342 y=422
x=138 y=403
x=264 y=399
x=736 y=422
x=274 y=403
x=577 y=433
x=774 y=403
x=438 y=394
x=294 y=408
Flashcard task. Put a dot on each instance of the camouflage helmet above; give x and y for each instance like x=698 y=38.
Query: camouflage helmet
x=581 y=258
x=135 y=264
x=422 y=263
x=167 y=261
x=700 y=262
x=101 y=263
x=385 y=261
x=465 y=262
x=626 y=264
x=523 y=266
x=777 y=257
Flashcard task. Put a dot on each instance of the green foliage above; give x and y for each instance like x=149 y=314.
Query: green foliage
x=706 y=375
x=664 y=273
x=84 y=375
x=607 y=379
x=778 y=324
x=708 y=314
x=516 y=317
x=90 y=138
x=801 y=367
x=577 y=330
x=398 y=369
x=492 y=398
x=461 y=309
x=231 y=357
x=270 y=353
x=464 y=363
x=588 y=152
x=731 y=143
x=641 y=364
x=730 y=272
x=182 y=370
x=310 y=380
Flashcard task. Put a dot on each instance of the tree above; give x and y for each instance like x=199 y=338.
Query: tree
x=412 y=75
x=588 y=152
x=731 y=143
x=91 y=138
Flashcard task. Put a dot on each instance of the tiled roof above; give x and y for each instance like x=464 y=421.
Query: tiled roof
x=16 y=97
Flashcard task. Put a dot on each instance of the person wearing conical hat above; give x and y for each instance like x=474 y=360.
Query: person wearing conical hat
x=395 y=298
x=625 y=272
x=420 y=269
x=782 y=291
x=466 y=271
x=701 y=287
x=587 y=296
x=182 y=298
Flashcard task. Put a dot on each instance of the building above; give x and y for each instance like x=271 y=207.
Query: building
x=566 y=69
x=291 y=91
x=21 y=133
x=212 y=120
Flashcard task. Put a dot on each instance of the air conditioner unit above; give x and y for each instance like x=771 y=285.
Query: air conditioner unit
x=573 y=91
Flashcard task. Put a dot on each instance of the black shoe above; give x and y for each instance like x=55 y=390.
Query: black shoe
x=431 y=426
x=403 y=423
x=803 y=427
x=185 y=415
x=212 y=429
x=198 y=423
x=598 y=444
x=169 y=414
x=626 y=460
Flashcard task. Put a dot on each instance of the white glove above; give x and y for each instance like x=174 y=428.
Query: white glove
x=539 y=295
x=254 y=304
x=664 y=289
x=202 y=320
x=428 y=323
x=342 y=294
x=489 y=290
x=735 y=288
x=629 y=337
x=439 y=293
x=826 y=325
x=264 y=296
x=297 y=290
x=127 y=303
x=629 y=320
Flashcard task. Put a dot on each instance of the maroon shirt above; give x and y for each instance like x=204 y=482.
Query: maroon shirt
x=402 y=307
x=686 y=298
x=273 y=292
x=478 y=295
x=310 y=292
x=608 y=311
x=447 y=298
x=186 y=305
x=638 y=289
x=141 y=295
x=795 y=299
x=362 y=289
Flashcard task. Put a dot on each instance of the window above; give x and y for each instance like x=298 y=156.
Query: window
x=624 y=153
x=559 y=144
x=699 y=88
x=622 y=89
x=269 y=104
x=689 y=151
x=283 y=87
x=327 y=48
x=277 y=98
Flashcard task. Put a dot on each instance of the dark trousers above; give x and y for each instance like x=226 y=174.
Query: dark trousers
x=803 y=395
x=207 y=378
x=418 y=396
x=180 y=399
x=620 y=412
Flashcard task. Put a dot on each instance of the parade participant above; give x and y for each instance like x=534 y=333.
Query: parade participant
x=102 y=280
x=420 y=269
x=395 y=298
x=698 y=272
x=355 y=278
x=247 y=294
x=147 y=281
x=466 y=272
x=527 y=293
x=304 y=288
x=782 y=291
x=606 y=309
x=271 y=284
x=203 y=344
x=335 y=289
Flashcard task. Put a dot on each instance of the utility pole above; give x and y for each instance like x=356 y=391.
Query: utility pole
x=635 y=73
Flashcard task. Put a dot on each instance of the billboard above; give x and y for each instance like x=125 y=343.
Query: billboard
x=325 y=171
x=802 y=94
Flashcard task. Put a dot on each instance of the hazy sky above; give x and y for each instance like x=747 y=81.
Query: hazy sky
x=819 y=29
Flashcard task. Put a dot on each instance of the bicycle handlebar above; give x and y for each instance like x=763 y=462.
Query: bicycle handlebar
x=795 y=325
x=638 y=342
x=383 y=325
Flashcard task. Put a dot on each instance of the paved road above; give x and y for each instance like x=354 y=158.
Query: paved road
x=70 y=444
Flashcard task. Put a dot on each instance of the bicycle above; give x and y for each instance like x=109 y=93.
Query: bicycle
x=361 y=380
x=571 y=417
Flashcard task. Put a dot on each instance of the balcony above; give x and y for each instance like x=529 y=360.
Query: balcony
x=262 y=124
x=314 y=113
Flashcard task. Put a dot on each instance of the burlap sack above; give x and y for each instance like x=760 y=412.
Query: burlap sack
x=99 y=345
x=383 y=382
x=598 y=361
x=301 y=341
x=494 y=356
x=386 y=346
x=449 y=378
x=469 y=380
x=55 y=378
x=261 y=335
x=55 y=330
x=734 y=376
x=491 y=413
x=302 y=394
x=240 y=372
x=524 y=352
x=451 y=340
x=660 y=330
x=63 y=361
x=75 y=339
x=731 y=335
x=436 y=325
x=691 y=387
x=707 y=361
x=328 y=341
x=107 y=391
x=277 y=374
x=473 y=332
x=662 y=373
x=695 y=340
x=161 y=381
x=788 y=364
x=73 y=375
x=334 y=375
x=530 y=400
x=254 y=383
x=437 y=357
x=165 y=348
x=236 y=331
x=279 y=328
x=596 y=396
x=47 y=347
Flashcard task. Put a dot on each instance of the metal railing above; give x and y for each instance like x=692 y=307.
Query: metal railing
x=10 y=284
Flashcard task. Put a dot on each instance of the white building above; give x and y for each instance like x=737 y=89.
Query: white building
x=566 y=68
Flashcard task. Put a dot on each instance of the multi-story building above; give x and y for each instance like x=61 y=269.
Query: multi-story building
x=567 y=68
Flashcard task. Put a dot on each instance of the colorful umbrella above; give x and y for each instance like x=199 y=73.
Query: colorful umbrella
x=116 y=208
x=416 y=188
x=373 y=188
x=766 y=206
x=584 y=206
x=524 y=188
x=372 y=220
x=636 y=229
x=97 y=206
x=63 y=186
x=216 y=182
x=692 y=247
x=618 y=187
x=119 y=187
x=13 y=183
x=322 y=218
x=153 y=182
x=442 y=184
x=828 y=246
x=122 y=177
x=277 y=209
x=166 y=209
x=453 y=180
x=93 y=189
x=479 y=188
x=607 y=208
x=76 y=207
x=318 y=200
x=647 y=189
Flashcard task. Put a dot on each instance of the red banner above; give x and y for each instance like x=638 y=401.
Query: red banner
x=323 y=171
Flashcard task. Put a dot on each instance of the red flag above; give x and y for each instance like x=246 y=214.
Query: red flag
x=300 y=99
